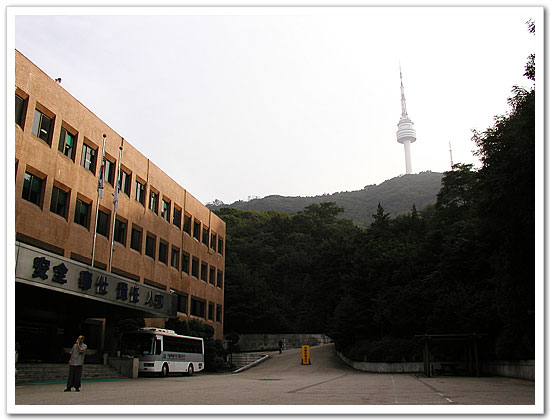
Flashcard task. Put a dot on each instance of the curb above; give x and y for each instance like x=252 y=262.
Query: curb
x=55 y=381
x=254 y=363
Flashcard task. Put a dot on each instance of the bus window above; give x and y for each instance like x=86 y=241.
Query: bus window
x=136 y=344
x=158 y=349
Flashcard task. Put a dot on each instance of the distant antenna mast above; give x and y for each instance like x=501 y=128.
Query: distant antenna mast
x=451 y=153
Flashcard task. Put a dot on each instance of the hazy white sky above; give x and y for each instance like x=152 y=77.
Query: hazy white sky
x=238 y=102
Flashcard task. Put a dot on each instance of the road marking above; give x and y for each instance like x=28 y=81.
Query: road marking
x=434 y=389
x=318 y=383
x=393 y=390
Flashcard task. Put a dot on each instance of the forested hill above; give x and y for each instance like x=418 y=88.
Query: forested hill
x=396 y=195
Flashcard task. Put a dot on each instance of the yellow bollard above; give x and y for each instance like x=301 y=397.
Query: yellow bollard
x=305 y=355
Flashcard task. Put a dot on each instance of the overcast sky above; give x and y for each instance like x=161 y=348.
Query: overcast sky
x=233 y=103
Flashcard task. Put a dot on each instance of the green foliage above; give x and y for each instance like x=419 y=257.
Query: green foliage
x=507 y=214
x=397 y=195
x=214 y=352
x=214 y=356
x=280 y=267
x=192 y=327
x=464 y=263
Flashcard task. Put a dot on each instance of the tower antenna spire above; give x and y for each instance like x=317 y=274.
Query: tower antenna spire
x=403 y=101
x=451 y=153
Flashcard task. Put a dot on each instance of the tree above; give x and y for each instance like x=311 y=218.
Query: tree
x=507 y=212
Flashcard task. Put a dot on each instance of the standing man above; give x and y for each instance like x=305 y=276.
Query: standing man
x=75 y=364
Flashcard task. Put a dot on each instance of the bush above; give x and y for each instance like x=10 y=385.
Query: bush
x=214 y=356
x=192 y=327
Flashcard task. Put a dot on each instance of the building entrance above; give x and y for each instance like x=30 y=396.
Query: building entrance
x=51 y=312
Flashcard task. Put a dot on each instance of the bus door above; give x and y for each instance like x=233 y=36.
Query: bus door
x=158 y=346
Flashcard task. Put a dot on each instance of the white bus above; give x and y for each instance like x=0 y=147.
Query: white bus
x=162 y=351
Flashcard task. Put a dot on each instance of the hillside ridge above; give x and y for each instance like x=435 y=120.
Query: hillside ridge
x=397 y=195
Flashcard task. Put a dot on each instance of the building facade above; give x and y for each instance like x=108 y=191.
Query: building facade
x=160 y=254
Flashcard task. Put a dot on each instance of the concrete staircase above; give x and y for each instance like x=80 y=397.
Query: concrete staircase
x=243 y=359
x=58 y=372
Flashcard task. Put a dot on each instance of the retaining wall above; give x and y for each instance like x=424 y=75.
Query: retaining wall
x=408 y=367
x=264 y=342
x=243 y=359
x=523 y=369
x=127 y=366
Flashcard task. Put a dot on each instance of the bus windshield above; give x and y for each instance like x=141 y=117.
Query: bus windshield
x=137 y=344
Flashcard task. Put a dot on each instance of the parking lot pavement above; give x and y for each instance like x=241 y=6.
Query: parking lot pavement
x=281 y=384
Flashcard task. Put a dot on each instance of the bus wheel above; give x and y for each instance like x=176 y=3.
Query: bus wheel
x=190 y=370
x=164 y=371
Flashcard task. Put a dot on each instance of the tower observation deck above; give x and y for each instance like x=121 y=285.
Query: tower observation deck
x=406 y=133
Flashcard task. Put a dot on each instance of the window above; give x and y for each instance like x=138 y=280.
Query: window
x=33 y=188
x=82 y=213
x=205 y=235
x=176 y=219
x=20 y=110
x=213 y=241
x=163 y=252
x=88 y=158
x=67 y=143
x=197 y=230
x=211 y=311
x=135 y=239
x=110 y=171
x=183 y=345
x=185 y=262
x=60 y=202
x=42 y=126
x=195 y=267
x=154 y=201
x=175 y=258
x=120 y=231
x=140 y=192
x=150 y=245
x=220 y=279
x=204 y=272
x=220 y=245
x=126 y=179
x=182 y=302
x=218 y=313
x=198 y=307
x=187 y=224
x=212 y=275
x=103 y=223
x=165 y=210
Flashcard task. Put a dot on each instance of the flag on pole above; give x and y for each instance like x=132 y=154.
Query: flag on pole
x=101 y=179
x=117 y=190
x=115 y=204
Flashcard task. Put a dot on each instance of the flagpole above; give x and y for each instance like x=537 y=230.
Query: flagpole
x=99 y=195
x=115 y=203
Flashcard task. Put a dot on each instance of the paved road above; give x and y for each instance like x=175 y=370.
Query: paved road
x=282 y=380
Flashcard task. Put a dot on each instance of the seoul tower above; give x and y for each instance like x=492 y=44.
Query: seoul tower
x=406 y=133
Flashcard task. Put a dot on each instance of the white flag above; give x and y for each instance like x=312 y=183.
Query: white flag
x=101 y=179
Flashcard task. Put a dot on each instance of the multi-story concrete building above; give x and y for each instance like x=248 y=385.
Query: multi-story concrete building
x=167 y=248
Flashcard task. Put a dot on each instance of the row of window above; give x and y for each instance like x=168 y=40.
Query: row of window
x=33 y=191
x=42 y=128
x=198 y=308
